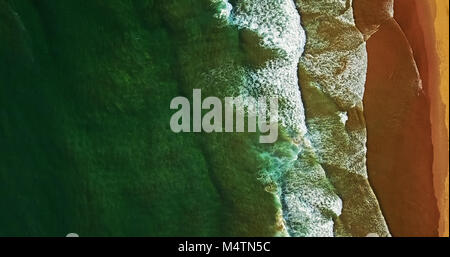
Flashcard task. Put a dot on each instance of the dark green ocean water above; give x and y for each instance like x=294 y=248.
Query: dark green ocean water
x=85 y=142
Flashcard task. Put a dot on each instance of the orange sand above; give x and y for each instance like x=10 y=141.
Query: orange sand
x=425 y=24
x=399 y=117
x=441 y=25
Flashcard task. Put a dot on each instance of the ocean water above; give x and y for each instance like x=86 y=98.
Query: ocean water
x=86 y=145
